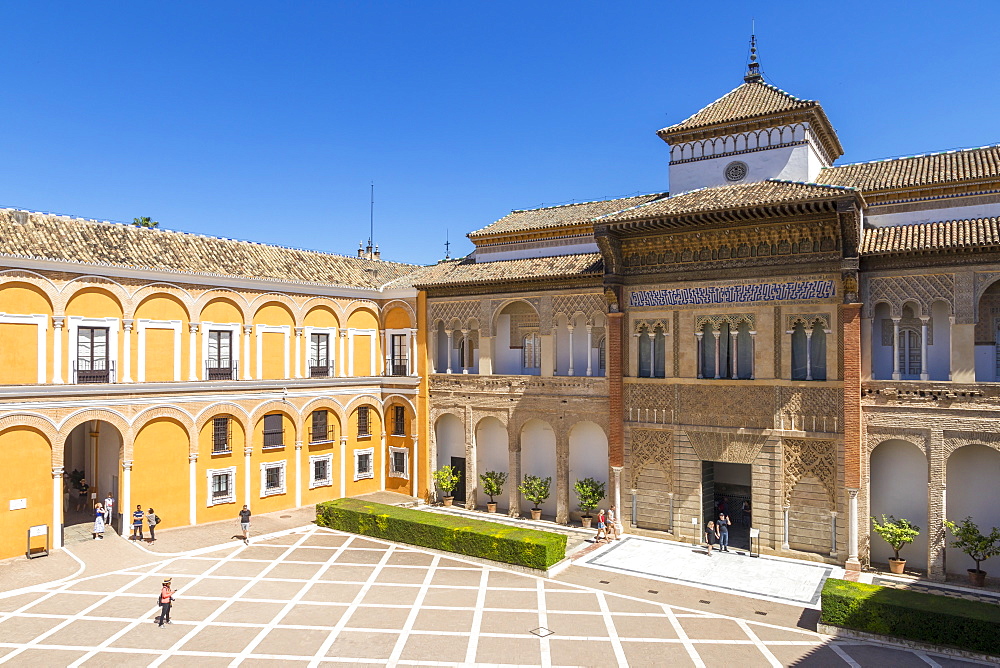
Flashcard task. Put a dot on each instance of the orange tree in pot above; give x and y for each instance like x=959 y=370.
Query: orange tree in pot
x=969 y=540
x=536 y=490
x=897 y=533
x=589 y=493
x=493 y=482
x=446 y=478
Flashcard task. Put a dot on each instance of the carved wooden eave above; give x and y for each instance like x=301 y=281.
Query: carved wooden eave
x=574 y=230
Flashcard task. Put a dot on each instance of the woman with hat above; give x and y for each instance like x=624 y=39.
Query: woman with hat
x=165 y=599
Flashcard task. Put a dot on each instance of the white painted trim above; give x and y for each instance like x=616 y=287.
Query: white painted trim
x=405 y=474
x=264 y=468
x=332 y=344
x=259 y=331
x=74 y=322
x=142 y=324
x=42 y=322
x=313 y=482
x=369 y=475
x=234 y=344
x=231 y=472
x=408 y=335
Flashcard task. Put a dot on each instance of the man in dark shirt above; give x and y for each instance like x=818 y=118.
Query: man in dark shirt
x=723 y=523
x=245 y=524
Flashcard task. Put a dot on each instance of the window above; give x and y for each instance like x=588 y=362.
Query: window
x=399 y=421
x=92 y=363
x=809 y=352
x=364 y=425
x=602 y=356
x=272 y=478
x=320 y=430
x=363 y=467
x=319 y=355
x=320 y=471
x=531 y=354
x=399 y=463
x=219 y=364
x=274 y=432
x=909 y=352
x=221 y=486
x=221 y=435
x=399 y=357
x=652 y=352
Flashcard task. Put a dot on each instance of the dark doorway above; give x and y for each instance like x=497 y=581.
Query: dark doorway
x=459 y=493
x=727 y=488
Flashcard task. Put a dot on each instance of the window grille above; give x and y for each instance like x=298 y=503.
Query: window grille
x=221 y=486
x=364 y=426
x=320 y=430
x=92 y=362
x=272 y=478
x=321 y=469
x=319 y=355
x=274 y=433
x=399 y=356
x=398 y=421
x=363 y=465
x=221 y=435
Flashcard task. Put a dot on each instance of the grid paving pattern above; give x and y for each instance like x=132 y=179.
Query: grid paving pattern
x=315 y=597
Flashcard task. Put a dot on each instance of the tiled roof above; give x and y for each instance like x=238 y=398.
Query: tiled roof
x=920 y=170
x=738 y=196
x=744 y=102
x=43 y=236
x=948 y=235
x=559 y=216
x=468 y=271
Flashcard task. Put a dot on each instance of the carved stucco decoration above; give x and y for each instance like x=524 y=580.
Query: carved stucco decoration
x=805 y=457
x=590 y=305
x=734 y=320
x=877 y=435
x=642 y=326
x=651 y=447
x=720 y=446
x=446 y=312
x=923 y=289
x=649 y=396
x=807 y=319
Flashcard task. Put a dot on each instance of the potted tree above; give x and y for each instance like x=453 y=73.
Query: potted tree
x=976 y=545
x=536 y=490
x=493 y=482
x=589 y=493
x=446 y=478
x=897 y=533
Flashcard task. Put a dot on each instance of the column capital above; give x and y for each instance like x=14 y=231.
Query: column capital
x=57 y=472
x=248 y=329
x=698 y=334
x=343 y=440
x=58 y=321
x=298 y=445
x=127 y=324
x=924 y=319
x=895 y=319
x=570 y=327
x=833 y=513
x=247 y=451
x=589 y=327
x=299 y=331
x=193 y=457
x=853 y=492
x=193 y=327
x=617 y=469
x=752 y=332
x=127 y=465
x=716 y=333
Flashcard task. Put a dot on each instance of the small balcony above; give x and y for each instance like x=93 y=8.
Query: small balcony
x=274 y=438
x=221 y=370
x=99 y=371
x=320 y=371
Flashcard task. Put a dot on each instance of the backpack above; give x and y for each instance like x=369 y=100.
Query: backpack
x=158 y=520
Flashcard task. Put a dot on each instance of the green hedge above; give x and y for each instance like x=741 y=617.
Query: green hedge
x=940 y=620
x=474 y=538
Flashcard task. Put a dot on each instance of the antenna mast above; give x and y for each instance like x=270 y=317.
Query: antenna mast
x=753 y=74
x=371 y=216
x=447 y=245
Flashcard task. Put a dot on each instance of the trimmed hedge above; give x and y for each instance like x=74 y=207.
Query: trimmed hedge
x=930 y=618
x=474 y=538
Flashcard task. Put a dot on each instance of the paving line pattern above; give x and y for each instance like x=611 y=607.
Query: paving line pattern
x=316 y=597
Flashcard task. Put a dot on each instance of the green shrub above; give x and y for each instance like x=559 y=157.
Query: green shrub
x=474 y=538
x=493 y=482
x=589 y=492
x=939 y=620
x=535 y=489
x=446 y=478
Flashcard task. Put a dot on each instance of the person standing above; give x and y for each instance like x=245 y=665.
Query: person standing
x=98 y=522
x=81 y=499
x=723 y=524
x=152 y=519
x=711 y=536
x=137 y=522
x=165 y=599
x=613 y=530
x=602 y=527
x=245 y=524
x=746 y=514
x=109 y=509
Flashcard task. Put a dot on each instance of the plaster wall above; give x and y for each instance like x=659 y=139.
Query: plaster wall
x=492 y=454
x=931 y=215
x=538 y=457
x=898 y=487
x=972 y=471
x=793 y=163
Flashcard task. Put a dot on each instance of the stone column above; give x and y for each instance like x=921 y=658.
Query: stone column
x=571 y=370
x=342 y=363
x=716 y=333
x=247 y=329
x=852 y=531
x=809 y=338
x=57 y=350
x=298 y=473
x=450 y=335
x=432 y=342
x=923 y=347
x=616 y=473
x=736 y=367
x=895 y=348
x=633 y=358
x=193 y=351
x=652 y=352
x=562 y=478
x=298 y=358
x=127 y=351
x=590 y=350
x=514 y=478
x=192 y=489
x=833 y=534
x=753 y=354
x=415 y=466
x=247 y=451
x=784 y=540
x=57 y=507
x=126 y=494
x=412 y=367
x=384 y=458
x=464 y=353
x=701 y=342
x=343 y=466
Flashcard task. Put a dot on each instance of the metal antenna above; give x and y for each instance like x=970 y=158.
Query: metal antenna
x=753 y=67
x=371 y=217
x=447 y=245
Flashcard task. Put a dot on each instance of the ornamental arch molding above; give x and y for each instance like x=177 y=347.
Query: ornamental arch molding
x=89 y=282
x=920 y=289
x=47 y=287
x=447 y=312
x=114 y=418
x=877 y=435
x=235 y=410
x=397 y=303
x=391 y=399
x=318 y=302
x=274 y=406
x=163 y=411
x=362 y=305
x=650 y=448
x=39 y=423
x=151 y=290
x=238 y=300
x=365 y=400
x=953 y=440
x=262 y=300
x=721 y=446
x=534 y=303
x=479 y=415
x=329 y=403
x=807 y=457
x=591 y=306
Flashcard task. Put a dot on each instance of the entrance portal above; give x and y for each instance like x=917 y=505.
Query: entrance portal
x=727 y=488
x=458 y=463
x=92 y=460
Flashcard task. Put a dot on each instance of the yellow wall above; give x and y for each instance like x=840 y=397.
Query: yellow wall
x=364 y=319
x=423 y=409
x=397 y=318
x=321 y=316
x=261 y=456
x=160 y=471
x=94 y=303
x=160 y=356
x=18 y=354
x=207 y=461
x=221 y=310
x=401 y=485
x=160 y=342
x=332 y=448
x=374 y=441
x=274 y=356
x=27 y=453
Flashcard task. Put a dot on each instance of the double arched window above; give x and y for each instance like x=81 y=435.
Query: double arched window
x=652 y=351
x=809 y=351
x=725 y=350
x=531 y=351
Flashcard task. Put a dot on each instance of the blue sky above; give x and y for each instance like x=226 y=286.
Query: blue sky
x=268 y=121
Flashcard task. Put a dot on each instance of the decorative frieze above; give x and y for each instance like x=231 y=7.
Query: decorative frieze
x=727 y=446
x=735 y=294
x=809 y=457
x=650 y=447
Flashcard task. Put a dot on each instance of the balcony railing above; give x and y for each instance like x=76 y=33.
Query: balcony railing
x=321 y=371
x=105 y=373
x=322 y=435
x=399 y=368
x=221 y=370
x=274 y=438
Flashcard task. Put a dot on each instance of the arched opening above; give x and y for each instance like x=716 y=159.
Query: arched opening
x=538 y=457
x=92 y=459
x=908 y=346
x=588 y=458
x=517 y=348
x=882 y=342
x=972 y=474
x=492 y=454
x=898 y=487
x=988 y=335
x=707 y=349
x=449 y=434
x=809 y=351
x=744 y=348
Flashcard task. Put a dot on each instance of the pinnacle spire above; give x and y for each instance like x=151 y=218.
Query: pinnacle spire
x=753 y=74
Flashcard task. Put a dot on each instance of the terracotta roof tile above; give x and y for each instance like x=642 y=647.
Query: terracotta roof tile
x=915 y=171
x=947 y=235
x=746 y=101
x=738 y=196
x=44 y=236
x=468 y=271
x=558 y=216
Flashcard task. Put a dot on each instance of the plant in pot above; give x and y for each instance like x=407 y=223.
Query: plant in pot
x=589 y=493
x=446 y=478
x=493 y=482
x=897 y=533
x=969 y=540
x=536 y=490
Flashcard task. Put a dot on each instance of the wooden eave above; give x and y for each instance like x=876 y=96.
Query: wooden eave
x=932 y=191
x=534 y=234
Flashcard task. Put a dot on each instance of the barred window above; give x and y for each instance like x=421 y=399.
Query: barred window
x=364 y=424
x=221 y=434
x=221 y=485
x=272 y=478
x=399 y=463
x=363 y=467
x=320 y=427
x=398 y=421
x=321 y=470
x=274 y=432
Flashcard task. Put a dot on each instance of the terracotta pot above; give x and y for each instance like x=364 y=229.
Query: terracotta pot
x=585 y=520
x=491 y=507
x=897 y=565
x=536 y=514
x=448 y=500
x=977 y=578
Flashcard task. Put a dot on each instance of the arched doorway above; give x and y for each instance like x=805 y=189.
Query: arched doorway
x=538 y=457
x=449 y=434
x=973 y=471
x=588 y=458
x=898 y=487
x=493 y=454
x=92 y=462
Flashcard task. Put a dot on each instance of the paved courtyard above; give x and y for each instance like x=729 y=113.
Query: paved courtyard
x=312 y=596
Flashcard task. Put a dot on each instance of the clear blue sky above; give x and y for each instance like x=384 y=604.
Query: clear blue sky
x=268 y=121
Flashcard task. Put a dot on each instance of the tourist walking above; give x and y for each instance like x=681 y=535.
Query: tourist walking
x=602 y=527
x=723 y=525
x=98 y=522
x=746 y=514
x=245 y=524
x=613 y=528
x=152 y=519
x=137 y=522
x=711 y=536
x=109 y=509
x=165 y=599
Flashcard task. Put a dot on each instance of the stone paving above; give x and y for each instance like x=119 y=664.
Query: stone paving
x=312 y=596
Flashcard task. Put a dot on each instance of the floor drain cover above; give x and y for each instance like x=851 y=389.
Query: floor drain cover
x=285 y=517
x=542 y=632
x=605 y=582
x=758 y=612
x=705 y=602
x=653 y=591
